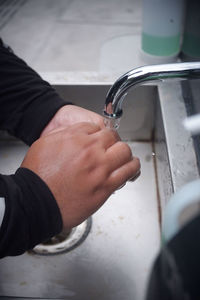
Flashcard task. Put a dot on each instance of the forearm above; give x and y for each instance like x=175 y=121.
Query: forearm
x=31 y=213
x=27 y=102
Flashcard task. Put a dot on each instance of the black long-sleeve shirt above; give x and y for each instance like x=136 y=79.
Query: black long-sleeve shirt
x=27 y=104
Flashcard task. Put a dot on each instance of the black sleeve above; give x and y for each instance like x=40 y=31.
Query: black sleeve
x=27 y=103
x=31 y=215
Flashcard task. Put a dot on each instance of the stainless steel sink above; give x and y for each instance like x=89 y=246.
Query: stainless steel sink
x=114 y=260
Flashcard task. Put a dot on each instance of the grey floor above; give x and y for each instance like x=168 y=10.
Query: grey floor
x=74 y=35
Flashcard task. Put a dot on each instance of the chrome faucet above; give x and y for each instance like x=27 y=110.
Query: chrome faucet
x=146 y=75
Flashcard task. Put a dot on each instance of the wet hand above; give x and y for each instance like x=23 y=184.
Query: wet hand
x=82 y=166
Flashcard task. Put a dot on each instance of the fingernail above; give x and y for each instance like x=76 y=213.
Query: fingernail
x=121 y=186
x=135 y=176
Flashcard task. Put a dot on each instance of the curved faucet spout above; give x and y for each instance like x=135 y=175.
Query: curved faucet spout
x=144 y=75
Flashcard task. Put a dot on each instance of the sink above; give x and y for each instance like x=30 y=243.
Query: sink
x=114 y=259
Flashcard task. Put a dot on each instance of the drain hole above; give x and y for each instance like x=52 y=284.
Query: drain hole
x=65 y=241
x=59 y=238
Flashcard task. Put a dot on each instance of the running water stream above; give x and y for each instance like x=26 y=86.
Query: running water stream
x=112 y=123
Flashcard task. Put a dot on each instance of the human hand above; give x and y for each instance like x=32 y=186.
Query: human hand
x=82 y=166
x=71 y=114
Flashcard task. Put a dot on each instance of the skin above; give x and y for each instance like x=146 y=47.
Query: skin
x=82 y=164
x=71 y=114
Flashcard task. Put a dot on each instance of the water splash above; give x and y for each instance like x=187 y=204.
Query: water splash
x=112 y=123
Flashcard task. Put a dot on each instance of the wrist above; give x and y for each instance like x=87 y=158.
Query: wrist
x=57 y=120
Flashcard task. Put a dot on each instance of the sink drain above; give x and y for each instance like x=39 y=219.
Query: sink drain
x=65 y=241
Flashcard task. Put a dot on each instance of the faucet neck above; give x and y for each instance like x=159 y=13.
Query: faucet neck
x=143 y=75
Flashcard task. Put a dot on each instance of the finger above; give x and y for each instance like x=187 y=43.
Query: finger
x=107 y=137
x=135 y=176
x=124 y=173
x=117 y=155
x=132 y=179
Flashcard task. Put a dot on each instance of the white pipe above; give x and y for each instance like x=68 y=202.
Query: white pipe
x=192 y=124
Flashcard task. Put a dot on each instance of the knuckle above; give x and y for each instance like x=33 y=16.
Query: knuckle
x=99 y=178
x=125 y=149
x=114 y=135
x=88 y=155
x=102 y=174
